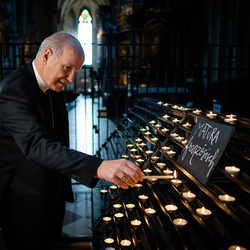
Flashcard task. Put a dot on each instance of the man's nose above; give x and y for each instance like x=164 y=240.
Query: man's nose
x=71 y=76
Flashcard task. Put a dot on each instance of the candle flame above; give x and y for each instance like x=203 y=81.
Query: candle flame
x=226 y=196
x=175 y=174
x=203 y=210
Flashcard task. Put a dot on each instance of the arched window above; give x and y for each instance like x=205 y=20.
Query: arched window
x=85 y=35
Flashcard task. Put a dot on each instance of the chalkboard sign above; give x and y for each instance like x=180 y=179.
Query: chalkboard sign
x=204 y=148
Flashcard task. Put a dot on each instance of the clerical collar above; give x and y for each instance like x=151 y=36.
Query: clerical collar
x=41 y=84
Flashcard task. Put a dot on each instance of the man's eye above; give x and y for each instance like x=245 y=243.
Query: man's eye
x=67 y=68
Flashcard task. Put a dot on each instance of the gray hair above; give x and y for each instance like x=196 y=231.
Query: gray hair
x=56 y=42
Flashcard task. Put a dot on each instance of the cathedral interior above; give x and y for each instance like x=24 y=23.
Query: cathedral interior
x=184 y=52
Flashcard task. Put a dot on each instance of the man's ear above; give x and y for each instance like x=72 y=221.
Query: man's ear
x=46 y=55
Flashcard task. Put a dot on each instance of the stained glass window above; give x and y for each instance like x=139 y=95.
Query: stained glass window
x=85 y=35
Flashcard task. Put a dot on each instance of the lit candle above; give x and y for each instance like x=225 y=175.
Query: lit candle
x=175 y=120
x=119 y=216
x=154 y=139
x=135 y=223
x=166 y=116
x=130 y=145
x=226 y=198
x=138 y=186
x=165 y=130
x=167 y=171
x=138 y=139
x=149 y=152
x=230 y=118
x=189 y=196
x=158 y=125
x=147 y=133
x=184 y=142
x=152 y=180
x=197 y=111
x=179 y=138
x=103 y=191
x=179 y=222
x=143 y=144
x=159 y=103
x=155 y=158
x=137 y=156
x=174 y=135
x=175 y=107
x=117 y=206
x=211 y=115
x=133 y=150
x=125 y=156
x=165 y=104
x=235 y=247
x=147 y=171
x=109 y=241
x=232 y=170
x=140 y=161
x=106 y=219
x=171 y=152
x=150 y=211
x=203 y=212
x=130 y=206
x=165 y=148
x=175 y=181
x=161 y=165
x=187 y=125
x=113 y=187
x=171 y=208
x=143 y=130
x=125 y=243
x=143 y=197
x=152 y=122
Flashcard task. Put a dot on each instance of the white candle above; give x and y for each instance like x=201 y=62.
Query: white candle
x=137 y=156
x=187 y=125
x=168 y=171
x=117 y=206
x=235 y=247
x=143 y=144
x=155 y=158
x=197 y=111
x=189 y=196
x=109 y=241
x=138 y=139
x=150 y=211
x=165 y=148
x=157 y=125
x=175 y=107
x=184 y=142
x=174 y=135
x=171 y=152
x=147 y=171
x=113 y=187
x=125 y=156
x=119 y=216
x=140 y=161
x=130 y=206
x=179 y=138
x=211 y=115
x=175 y=120
x=160 y=103
x=152 y=180
x=106 y=219
x=135 y=223
x=133 y=150
x=130 y=145
x=175 y=181
x=226 y=198
x=230 y=118
x=143 y=197
x=165 y=130
x=152 y=122
x=138 y=185
x=203 y=212
x=125 y=243
x=154 y=139
x=232 y=170
x=166 y=104
x=166 y=116
x=171 y=208
x=149 y=152
x=161 y=165
x=103 y=191
x=143 y=130
x=147 y=133
x=179 y=222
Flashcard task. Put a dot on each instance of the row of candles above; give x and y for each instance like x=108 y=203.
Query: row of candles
x=229 y=118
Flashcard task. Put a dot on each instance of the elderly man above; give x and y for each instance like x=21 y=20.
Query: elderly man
x=35 y=162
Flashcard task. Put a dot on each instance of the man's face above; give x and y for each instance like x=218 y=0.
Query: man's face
x=59 y=71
